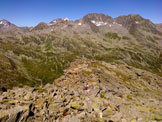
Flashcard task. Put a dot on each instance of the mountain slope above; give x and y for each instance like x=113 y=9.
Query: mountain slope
x=116 y=93
x=42 y=53
x=5 y=25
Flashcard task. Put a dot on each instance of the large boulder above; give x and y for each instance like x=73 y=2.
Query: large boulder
x=77 y=105
x=17 y=114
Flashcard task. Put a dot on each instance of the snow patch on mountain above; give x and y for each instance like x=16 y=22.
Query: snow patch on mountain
x=66 y=19
x=99 y=23
x=80 y=23
x=54 y=21
x=50 y=24
x=3 y=23
x=115 y=23
x=137 y=22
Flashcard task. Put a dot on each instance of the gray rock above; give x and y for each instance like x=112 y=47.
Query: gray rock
x=17 y=114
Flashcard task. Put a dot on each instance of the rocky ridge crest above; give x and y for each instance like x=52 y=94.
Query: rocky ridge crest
x=116 y=93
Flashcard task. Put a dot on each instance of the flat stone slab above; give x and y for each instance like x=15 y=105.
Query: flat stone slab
x=12 y=114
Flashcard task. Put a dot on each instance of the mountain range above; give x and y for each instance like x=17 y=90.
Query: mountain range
x=41 y=53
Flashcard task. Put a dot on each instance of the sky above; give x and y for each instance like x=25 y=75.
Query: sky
x=31 y=12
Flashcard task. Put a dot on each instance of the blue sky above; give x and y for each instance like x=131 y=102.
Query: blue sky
x=31 y=12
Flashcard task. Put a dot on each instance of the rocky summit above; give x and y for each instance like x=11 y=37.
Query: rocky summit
x=115 y=93
x=94 y=69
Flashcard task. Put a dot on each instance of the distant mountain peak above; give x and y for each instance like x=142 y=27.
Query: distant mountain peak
x=97 y=17
x=4 y=22
x=130 y=17
x=66 y=19
x=97 y=14
x=59 y=20
x=6 y=25
x=134 y=15
x=41 y=26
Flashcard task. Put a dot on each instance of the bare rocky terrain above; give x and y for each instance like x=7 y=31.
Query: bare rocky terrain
x=116 y=93
x=44 y=70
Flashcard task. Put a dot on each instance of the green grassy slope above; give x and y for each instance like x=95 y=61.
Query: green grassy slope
x=33 y=59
